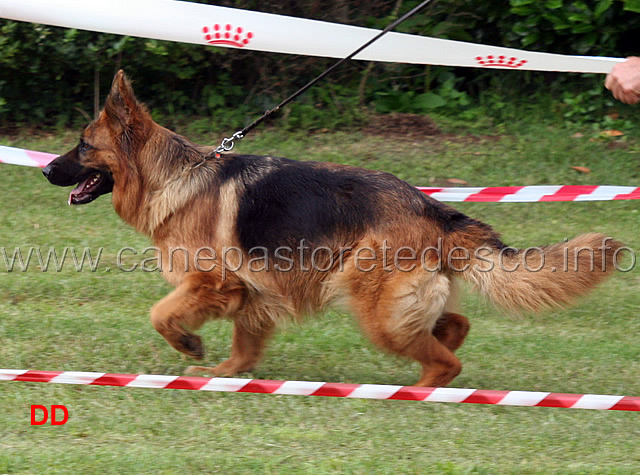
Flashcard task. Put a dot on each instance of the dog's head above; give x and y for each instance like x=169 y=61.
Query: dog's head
x=105 y=148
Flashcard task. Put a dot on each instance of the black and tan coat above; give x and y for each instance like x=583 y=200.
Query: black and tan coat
x=258 y=239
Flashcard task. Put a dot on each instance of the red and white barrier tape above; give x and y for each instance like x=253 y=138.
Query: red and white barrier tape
x=530 y=194
x=27 y=158
x=311 y=388
x=498 y=194
x=230 y=27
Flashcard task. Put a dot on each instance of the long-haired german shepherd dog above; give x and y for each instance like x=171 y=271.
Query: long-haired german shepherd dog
x=268 y=238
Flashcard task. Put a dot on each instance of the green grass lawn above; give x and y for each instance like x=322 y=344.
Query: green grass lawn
x=98 y=321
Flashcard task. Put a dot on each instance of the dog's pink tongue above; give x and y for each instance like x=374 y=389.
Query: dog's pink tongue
x=77 y=190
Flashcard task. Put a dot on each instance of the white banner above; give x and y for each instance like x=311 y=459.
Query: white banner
x=232 y=28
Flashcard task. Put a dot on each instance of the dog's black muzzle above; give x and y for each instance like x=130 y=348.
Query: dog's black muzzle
x=67 y=171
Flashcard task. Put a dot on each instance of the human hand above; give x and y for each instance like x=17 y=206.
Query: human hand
x=624 y=81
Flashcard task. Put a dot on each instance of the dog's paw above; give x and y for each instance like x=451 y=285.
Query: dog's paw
x=191 y=345
x=232 y=367
x=197 y=370
x=227 y=368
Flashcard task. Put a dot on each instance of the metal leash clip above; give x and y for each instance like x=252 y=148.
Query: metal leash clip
x=226 y=146
x=228 y=142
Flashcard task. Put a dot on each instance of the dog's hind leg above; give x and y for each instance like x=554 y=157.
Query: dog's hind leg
x=439 y=365
x=197 y=298
x=451 y=329
x=402 y=317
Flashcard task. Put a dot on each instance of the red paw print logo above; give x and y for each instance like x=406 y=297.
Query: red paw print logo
x=226 y=35
x=502 y=61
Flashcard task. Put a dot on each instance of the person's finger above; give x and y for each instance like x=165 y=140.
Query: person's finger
x=632 y=99
x=609 y=82
x=627 y=97
x=617 y=92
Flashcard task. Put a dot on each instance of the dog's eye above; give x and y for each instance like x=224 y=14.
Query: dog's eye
x=84 y=147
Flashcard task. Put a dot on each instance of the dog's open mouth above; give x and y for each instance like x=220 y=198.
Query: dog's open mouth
x=96 y=184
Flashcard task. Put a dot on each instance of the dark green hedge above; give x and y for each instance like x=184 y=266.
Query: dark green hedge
x=54 y=75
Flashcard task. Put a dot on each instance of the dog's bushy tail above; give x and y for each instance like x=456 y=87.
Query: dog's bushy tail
x=539 y=278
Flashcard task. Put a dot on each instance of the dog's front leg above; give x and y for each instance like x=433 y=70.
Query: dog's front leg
x=199 y=297
x=246 y=350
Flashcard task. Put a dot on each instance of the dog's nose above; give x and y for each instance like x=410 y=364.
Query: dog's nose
x=46 y=171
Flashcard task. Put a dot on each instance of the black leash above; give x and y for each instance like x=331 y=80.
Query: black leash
x=228 y=143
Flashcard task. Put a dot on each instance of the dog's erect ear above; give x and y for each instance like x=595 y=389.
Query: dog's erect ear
x=122 y=109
